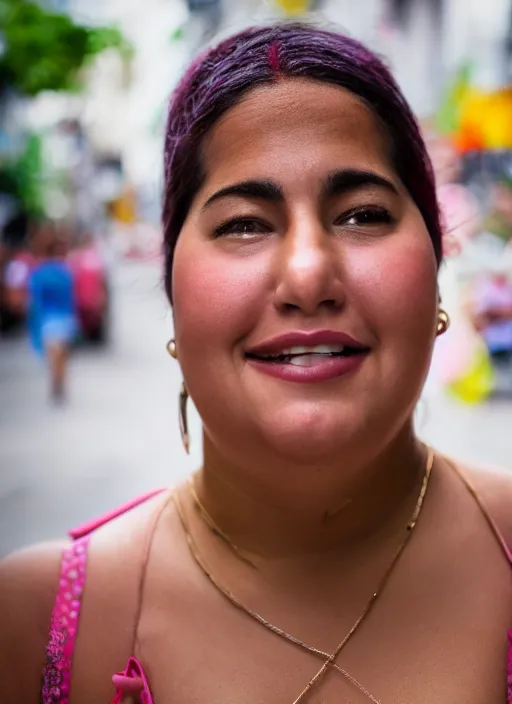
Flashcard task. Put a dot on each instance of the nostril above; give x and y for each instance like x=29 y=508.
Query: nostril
x=291 y=307
x=331 y=304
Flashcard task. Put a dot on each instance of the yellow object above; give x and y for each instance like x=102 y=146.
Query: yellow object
x=486 y=119
x=295 y=8
x=477 y=382
x=124 y=208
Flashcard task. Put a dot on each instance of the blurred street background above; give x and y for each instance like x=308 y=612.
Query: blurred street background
x=83 y=92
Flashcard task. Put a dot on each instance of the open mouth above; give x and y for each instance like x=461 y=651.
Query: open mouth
x=302 y=356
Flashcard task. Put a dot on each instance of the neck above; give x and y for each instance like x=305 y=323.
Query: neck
x=279 y=512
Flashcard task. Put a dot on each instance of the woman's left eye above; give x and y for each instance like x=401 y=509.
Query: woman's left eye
x=367 y=216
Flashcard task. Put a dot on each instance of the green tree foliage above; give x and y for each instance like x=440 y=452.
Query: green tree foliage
x=44 y=50
x=22 y=179
x=30 y=173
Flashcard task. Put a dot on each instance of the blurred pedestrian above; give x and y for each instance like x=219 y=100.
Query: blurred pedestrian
x=492 y=300
x=14 y=288
x=90 y=276
x=52 y=317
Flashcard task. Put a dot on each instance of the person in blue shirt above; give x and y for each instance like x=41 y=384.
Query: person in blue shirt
x=52 y=315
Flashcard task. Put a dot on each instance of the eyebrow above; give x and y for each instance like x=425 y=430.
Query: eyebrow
x=336 y=183
x=343 y=180
x=263 y=189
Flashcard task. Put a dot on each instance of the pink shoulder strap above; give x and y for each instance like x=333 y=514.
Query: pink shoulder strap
x=509 y=668
x=66 y=611
x=64 y=624
x=507 y=551
x=91 y=526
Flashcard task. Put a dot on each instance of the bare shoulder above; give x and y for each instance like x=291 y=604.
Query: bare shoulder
x=494 y=487
x=116 y=562
x=28 y=586
x=29 y=582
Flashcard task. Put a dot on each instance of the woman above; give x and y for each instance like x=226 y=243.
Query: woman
x=322 y=553
x=52 y=318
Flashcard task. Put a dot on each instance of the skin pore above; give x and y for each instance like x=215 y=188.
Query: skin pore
x=302 y=224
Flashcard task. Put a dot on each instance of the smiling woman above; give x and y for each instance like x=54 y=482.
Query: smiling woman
x=302 y=222
x=314 y=557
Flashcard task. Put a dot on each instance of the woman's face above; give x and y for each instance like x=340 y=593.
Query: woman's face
x=304 y=282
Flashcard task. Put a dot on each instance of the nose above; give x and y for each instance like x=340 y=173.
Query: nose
x=309 y=270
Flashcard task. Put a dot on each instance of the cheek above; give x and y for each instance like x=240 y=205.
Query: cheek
x=215 y=296
x=397 y=289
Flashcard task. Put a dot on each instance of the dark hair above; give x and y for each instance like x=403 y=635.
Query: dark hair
x=220 y=78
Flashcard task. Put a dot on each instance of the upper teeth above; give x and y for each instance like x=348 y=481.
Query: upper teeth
x=316 y=349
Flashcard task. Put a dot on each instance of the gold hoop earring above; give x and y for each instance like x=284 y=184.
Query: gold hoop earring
x=183 y=398
x=182 y=401
x=171 y=348
x=443 y=322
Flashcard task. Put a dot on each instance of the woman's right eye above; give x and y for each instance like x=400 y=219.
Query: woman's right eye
x=243 y=227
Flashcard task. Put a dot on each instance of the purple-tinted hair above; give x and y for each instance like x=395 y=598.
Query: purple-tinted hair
x=219 y=79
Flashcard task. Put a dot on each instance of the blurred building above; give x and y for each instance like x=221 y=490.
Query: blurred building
x=122 y=110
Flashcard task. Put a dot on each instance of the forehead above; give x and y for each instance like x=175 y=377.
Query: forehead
x=296 y=127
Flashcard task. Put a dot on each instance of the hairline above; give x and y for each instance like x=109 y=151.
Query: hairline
x=388 y=141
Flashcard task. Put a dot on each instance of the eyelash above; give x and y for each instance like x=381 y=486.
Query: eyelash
x=377 y=216
x=236 y=225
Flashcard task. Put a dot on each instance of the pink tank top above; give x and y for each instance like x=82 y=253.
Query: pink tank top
x=132 y=682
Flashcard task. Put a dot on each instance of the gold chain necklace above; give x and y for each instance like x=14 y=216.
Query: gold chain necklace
x=329 y=659
x=214 y=527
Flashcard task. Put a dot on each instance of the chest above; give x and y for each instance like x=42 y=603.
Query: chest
x=436 y=641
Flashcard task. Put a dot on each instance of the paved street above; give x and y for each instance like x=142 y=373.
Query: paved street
x=119 y=436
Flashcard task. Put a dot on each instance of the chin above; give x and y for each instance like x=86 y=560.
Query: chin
x=308 y=437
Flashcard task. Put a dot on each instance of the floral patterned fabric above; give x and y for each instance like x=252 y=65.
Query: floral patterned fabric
x=64 y=624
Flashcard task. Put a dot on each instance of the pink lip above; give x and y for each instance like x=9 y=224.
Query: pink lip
x=330 y=368
x=322 y=370
x=306 y=339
